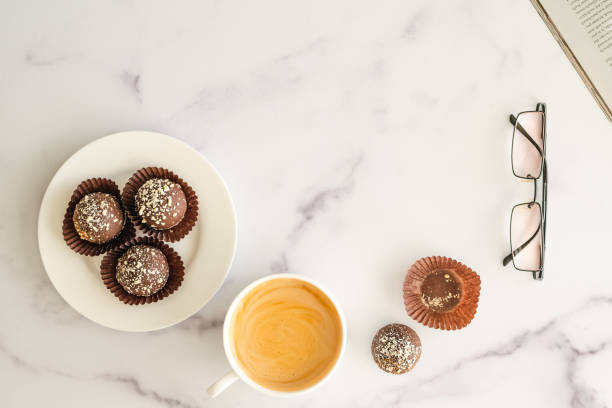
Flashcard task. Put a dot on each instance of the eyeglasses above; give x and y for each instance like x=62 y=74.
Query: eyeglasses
x=528 y=220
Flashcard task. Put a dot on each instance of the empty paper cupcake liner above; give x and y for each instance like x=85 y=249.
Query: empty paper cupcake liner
x=71 y=236
x=175 y=233
x=109 y=274
x=459 y=315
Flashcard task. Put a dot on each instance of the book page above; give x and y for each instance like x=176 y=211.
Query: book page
x=586 y=27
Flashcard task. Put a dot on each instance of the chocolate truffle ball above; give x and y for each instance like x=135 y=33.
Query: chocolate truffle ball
x=396 y=348
x=142 y=270
x=161 y=203
x=98 y=218
x=441 y=291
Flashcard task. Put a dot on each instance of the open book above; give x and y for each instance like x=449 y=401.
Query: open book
x=583 y=29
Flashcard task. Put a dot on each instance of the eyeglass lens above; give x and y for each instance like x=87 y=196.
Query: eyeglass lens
x=526 y=236
x=527 y=145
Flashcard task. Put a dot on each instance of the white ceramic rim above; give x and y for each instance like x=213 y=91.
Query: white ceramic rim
x=236 y=366
x=205 y=299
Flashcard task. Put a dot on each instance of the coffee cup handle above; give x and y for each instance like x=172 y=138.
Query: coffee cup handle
x=221 y=384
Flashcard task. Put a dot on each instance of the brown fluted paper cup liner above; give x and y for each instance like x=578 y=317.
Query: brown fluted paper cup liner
x=175 y=233
x=451 y=312
x=109 y=275
x=71 y=236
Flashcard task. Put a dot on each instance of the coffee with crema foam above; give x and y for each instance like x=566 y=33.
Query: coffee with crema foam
x=286 y=334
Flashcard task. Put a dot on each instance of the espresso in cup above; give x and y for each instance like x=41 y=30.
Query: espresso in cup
x=286 y=334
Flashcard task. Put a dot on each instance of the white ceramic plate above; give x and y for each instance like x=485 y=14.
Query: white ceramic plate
x=207 y=251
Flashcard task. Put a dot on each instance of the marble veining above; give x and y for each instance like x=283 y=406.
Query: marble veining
x=320 y=200
x=43 y=61
x=355 y=138
x=132 y=81
x=132 y=384
x=549 y=338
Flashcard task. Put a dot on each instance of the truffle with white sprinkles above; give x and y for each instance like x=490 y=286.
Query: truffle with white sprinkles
x=142 y=270
x=98 y=218
x=396 y=348
x=441 y=291
x=161 y=203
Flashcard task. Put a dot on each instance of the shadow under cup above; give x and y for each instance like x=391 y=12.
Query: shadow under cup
x=285 y=335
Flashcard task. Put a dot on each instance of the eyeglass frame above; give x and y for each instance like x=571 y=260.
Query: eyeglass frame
x=537 y=274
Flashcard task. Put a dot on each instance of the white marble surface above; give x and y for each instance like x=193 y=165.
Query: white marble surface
x=355 y=137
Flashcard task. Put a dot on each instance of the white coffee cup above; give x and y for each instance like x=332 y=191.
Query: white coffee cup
x=237 y=373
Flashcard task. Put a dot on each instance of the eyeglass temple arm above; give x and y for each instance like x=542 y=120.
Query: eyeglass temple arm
x=508 y=257
x=524 y=132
